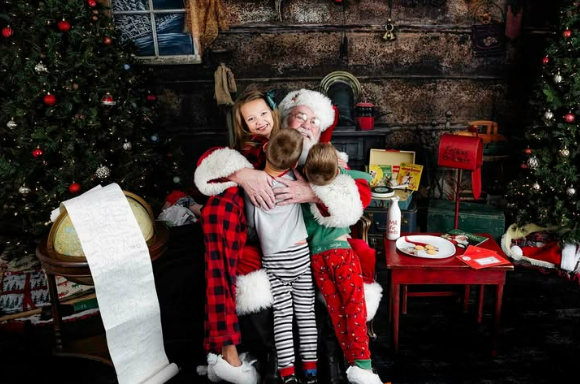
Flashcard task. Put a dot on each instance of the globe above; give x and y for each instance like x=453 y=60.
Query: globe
x=64 y=243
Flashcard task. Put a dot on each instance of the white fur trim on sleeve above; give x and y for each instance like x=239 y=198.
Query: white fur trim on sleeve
x=373 y=296
x=342 y=199
x=570 y=256
x=342 y=155
x=220 y=163
x=253 y=292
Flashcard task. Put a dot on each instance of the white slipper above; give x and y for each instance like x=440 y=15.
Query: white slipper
x=356 y=375
x=211 y=361
x=244 y=374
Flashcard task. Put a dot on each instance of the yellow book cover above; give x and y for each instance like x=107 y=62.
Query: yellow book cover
x=381 y=175
x=410 y=175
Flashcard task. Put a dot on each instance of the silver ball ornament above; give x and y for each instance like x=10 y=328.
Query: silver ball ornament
x=564 y=152
x=24 y=190
x=11 y=124
x=571 y=191
x=536 y=186
x=533 y=162
x=103 y=172
x=127 y=146
x=176 y=179
x=548 y=115
x=40 y=68
x=558 y=78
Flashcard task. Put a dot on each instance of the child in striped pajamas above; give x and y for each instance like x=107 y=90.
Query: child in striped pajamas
x=286 y=259
x=336 y=268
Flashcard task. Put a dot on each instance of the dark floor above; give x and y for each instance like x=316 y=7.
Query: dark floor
x=539 y=337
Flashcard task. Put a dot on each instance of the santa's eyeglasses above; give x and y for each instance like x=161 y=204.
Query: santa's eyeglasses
x=303 y=117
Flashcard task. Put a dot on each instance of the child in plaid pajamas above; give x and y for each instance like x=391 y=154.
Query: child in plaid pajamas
x=336 y=268
x=224 y=228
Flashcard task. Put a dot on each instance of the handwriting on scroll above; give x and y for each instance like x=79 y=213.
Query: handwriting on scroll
x=456 y=155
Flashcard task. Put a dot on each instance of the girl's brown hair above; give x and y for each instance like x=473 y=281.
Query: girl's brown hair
x=321 y=164
x=241 y=131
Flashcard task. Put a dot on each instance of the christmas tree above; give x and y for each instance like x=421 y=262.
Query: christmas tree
x=74 y=113
x=547 y=191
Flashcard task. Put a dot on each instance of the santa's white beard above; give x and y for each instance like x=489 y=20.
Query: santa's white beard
x=306 y=145
x=308 y=142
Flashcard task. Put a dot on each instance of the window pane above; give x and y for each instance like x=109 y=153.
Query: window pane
x=131 y=5
x=168 y=4
x=137 y=28
x=172 y=36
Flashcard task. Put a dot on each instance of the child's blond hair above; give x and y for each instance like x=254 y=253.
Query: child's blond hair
x=284 y=149
x=241 y=131
x=321 y=165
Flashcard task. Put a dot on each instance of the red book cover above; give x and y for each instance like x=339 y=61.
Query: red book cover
x=477 y=258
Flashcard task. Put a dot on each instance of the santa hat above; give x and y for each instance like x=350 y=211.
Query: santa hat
x=320 y=105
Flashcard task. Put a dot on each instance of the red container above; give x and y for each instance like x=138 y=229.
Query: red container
x=365 y=116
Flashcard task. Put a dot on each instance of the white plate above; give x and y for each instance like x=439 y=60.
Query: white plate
x=444 y=247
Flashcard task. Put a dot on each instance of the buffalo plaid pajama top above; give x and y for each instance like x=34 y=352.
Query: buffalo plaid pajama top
x=224 y=228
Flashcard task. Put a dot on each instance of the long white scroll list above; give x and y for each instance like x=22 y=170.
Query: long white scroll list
x=123 y=276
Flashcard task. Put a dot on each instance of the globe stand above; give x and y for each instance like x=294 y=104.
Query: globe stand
x=94 y=347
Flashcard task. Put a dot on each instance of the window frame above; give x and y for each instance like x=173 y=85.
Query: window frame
x=157 y=59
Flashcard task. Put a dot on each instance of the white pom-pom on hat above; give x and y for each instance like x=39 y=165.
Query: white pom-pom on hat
x=320 y=104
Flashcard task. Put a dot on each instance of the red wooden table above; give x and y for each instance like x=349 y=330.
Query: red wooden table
x=409 y=270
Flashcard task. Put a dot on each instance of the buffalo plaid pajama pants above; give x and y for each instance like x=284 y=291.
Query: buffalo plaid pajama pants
x=224 y=227
x=338 y=275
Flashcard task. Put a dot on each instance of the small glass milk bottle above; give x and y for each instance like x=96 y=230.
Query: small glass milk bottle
x=394 y=219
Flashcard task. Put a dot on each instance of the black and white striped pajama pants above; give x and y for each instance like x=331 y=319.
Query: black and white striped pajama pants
x=292 y=287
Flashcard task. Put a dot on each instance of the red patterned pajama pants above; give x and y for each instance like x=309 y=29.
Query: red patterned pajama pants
x=338 y=275
x=224 y=228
